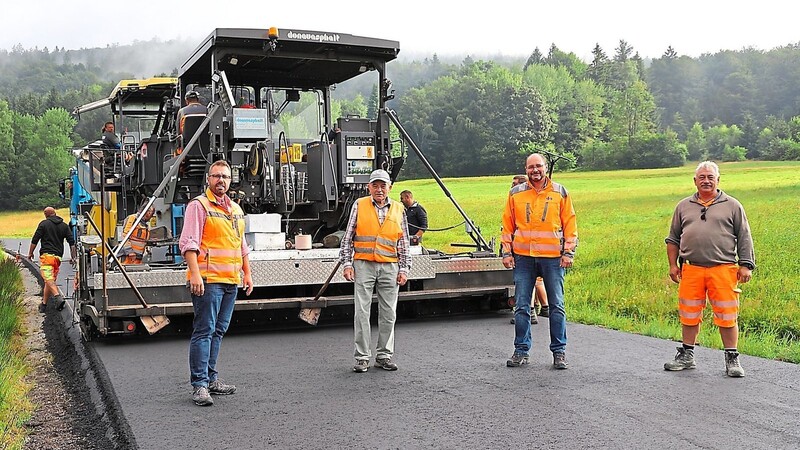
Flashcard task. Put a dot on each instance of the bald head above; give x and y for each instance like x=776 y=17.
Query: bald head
x=49 y=211
x=536 y=169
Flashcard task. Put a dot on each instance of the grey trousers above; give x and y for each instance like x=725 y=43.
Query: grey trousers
x=382 y=277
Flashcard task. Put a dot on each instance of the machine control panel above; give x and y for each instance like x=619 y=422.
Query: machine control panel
x=359 y=156
x=360 y=147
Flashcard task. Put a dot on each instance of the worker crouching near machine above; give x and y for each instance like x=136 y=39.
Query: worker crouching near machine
x=134 y=249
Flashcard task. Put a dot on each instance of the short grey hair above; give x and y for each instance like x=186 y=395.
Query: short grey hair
x=710 y=165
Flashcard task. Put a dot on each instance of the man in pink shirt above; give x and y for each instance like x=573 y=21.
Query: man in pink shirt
x=213 y=244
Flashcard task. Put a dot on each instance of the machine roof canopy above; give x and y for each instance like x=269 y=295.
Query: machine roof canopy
x=296 y=58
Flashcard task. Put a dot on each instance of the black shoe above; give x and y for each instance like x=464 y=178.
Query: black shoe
x=534 y=320
x=61 y=304
x=545 y=311
x=42 y=307
x=513 y=321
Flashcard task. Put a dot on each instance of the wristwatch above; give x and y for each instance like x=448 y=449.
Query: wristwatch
x=747 y=265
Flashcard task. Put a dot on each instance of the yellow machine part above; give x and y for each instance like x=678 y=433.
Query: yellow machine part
x=109 y=227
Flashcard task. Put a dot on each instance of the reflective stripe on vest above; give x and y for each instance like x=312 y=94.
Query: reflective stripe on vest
x=138 y=239
x=373 y=241
x=220 y=258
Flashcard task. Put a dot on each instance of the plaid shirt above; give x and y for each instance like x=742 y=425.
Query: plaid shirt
x=346 y=252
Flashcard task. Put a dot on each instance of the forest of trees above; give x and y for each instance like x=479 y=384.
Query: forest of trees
x=470 y=117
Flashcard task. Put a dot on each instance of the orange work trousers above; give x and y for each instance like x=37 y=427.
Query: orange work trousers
x=718 y=284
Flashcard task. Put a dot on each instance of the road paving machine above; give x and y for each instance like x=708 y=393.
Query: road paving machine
x=296 y=172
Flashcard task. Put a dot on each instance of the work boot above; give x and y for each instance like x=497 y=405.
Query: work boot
x=545 y=311
x=362 y=365
x=732 y=366
x=517 y=359
x=560 y=361
x=42 y=307
x=683 y=360
x=218 y=387
x=385 y=364
x=201 y=397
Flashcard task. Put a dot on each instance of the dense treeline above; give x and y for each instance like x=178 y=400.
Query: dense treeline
x=33 y=156
x=474 y=117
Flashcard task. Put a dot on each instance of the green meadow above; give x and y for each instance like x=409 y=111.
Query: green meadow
x=620 y=278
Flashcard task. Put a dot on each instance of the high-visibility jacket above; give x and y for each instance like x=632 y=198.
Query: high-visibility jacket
x=136 y=243
x=374 y=241
x=540 y=224
x=220 y=256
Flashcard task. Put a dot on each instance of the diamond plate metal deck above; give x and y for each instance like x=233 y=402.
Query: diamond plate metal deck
x=291 y=271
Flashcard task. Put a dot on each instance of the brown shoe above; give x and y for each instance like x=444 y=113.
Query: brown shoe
x=560 y=361
x=385 y=364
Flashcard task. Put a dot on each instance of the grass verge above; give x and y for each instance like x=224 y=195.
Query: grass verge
x=15 y=408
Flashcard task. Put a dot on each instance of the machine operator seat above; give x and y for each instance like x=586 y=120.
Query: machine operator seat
x=194 y=165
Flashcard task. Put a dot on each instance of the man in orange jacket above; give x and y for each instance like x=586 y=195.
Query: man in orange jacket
x=539 y=238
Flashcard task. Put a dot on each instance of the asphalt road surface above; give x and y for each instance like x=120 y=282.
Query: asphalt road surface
x=297 y=390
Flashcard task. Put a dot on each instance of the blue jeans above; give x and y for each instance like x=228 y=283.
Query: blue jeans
x=526 y=269
x=212 y=315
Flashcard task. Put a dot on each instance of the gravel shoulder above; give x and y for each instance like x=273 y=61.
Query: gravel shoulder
x=66 y=417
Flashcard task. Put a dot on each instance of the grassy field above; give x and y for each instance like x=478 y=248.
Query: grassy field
x=15 y=409
x=21 y=225
x=620 y=276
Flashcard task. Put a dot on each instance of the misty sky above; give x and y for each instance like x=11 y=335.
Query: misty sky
x=476 y=28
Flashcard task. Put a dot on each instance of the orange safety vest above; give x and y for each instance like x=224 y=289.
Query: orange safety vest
x=540 y=224
x=373 y=241
x=138 y=239
x=220 y=258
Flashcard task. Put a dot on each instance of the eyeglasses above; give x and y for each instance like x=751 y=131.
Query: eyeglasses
x=221 y=176
x=703 y=213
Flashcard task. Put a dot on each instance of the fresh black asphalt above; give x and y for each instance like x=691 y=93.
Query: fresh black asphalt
x=297 y=390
